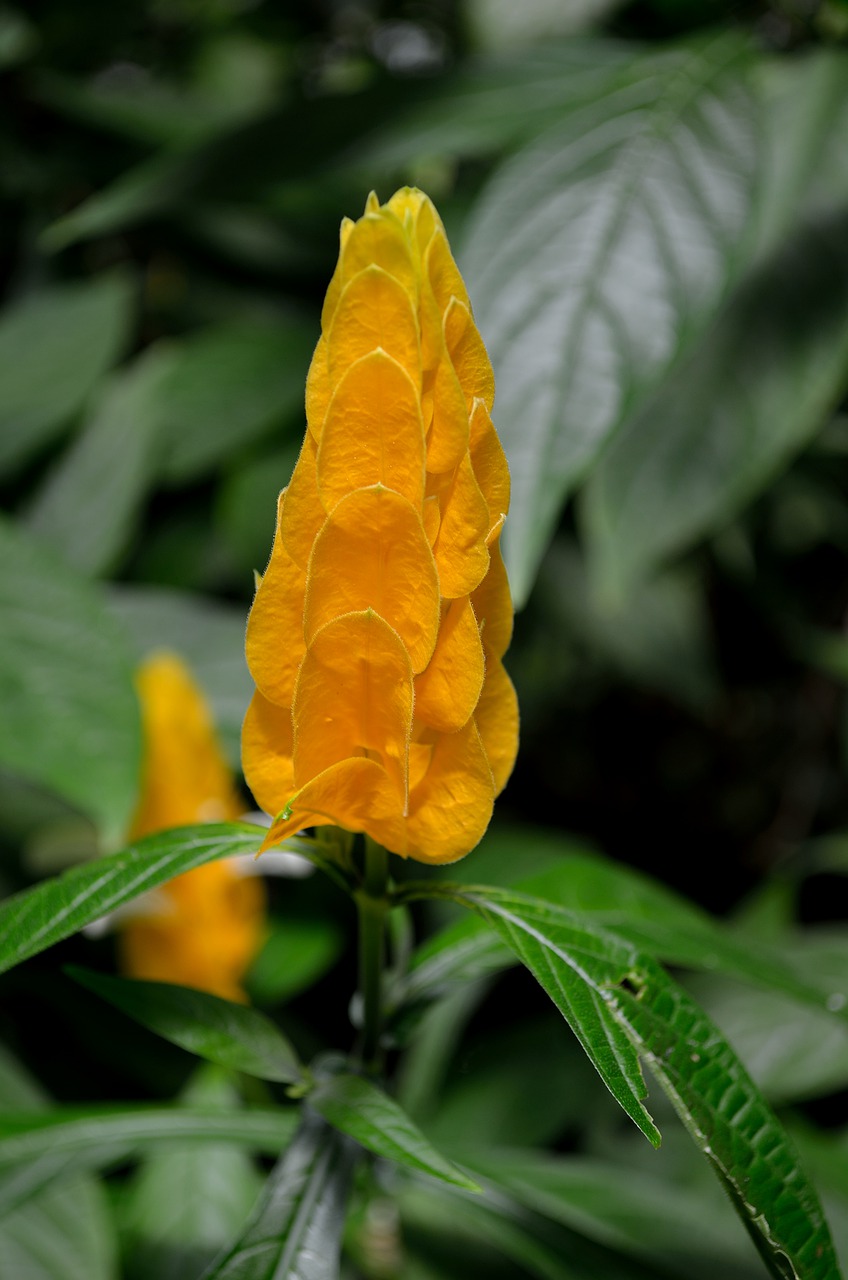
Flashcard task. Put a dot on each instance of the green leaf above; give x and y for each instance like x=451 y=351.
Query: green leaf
x=18 y=37
x=297 y=1227
x=578 y=964
x=634 y=907
x=491 y=103
x=70 y=716
x=146 y=189
x=659 y=642
x=232 y=1035
x=55 y=345
x=361 y=1110
x=425 y=1063
x=731 y=417
x=496 y=24
x=36 y=1148
x=297 y=952
x=208 y=634
x=227 y=387
x=805 y=117
x=645 y=1215
x=187 y=1202
x=622 y=1005
x=505 y=1087
x=33 y=920
x=107 y=472
x=792 y=1052
x=596 y=254
x=246 y=509
x=65 y=1232
x=496 y=1222
x=185 y=1207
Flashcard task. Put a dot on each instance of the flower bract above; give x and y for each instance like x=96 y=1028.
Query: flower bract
x=378 y=630
x=201 y=929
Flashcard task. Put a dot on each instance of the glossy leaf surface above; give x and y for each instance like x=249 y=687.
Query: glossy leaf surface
x=232 y=1035
x=297 y=1227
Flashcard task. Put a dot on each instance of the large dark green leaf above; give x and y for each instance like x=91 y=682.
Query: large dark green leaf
x=208 y=634
x=592 y=961
x=65 y=1232
x=187 y=1201
x=629 y=1008
x=644 y=1215
x=805 y=168
x=645 y=913
x=792 y=1052
x=33 y=920
x=361 y=1110
x=54 y=346
x=36 y=1148
x=107 y=471
x=232 y=1035
x=227 y=387
x=297 y=1227
x=70 y=716
x=731 y=417
x=595 y=255
x=497 y=1224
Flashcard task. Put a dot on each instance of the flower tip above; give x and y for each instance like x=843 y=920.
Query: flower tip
x=372 y=204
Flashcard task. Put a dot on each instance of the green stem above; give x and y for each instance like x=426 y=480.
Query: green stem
x=372 y=904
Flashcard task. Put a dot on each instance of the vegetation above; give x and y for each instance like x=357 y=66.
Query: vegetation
x=648 y=201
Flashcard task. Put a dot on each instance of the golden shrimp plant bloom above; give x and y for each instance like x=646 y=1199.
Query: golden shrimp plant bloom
x=201 y=929
x=376 y=636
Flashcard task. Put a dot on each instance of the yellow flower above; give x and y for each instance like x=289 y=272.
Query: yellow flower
x=377 y=632
x=203 y=928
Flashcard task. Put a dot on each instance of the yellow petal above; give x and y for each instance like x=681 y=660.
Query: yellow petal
x=418 y=207
x=206 y=929
x=493 y=606
x=354 y=698
x=319 y=389
x=374 y=312
x=302 y=514
x=379 y=238
x=450 y=808
x=448 y=689
x=443 y=273
x=373 y=553
x=497 y=719
x=350 y=794
x=186 y=777
x=266 y=753
x=431 y=517
x=490 y=467
x=462 y=557
x=444 y=407
x=373 y=433
x=275 y=643
x=469 y=355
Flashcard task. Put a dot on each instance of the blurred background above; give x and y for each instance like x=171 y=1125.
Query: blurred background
x=649 y=202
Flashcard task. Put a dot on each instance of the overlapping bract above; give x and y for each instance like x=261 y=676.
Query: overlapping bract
x=203 y=928
x=377 y=632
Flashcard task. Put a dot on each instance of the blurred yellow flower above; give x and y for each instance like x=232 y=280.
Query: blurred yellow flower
x=203 y=928
x=377 y=632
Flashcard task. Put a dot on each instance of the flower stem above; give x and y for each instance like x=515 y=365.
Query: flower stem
x=372 y=905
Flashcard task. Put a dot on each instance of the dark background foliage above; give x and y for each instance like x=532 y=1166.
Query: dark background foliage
x=172 y=176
